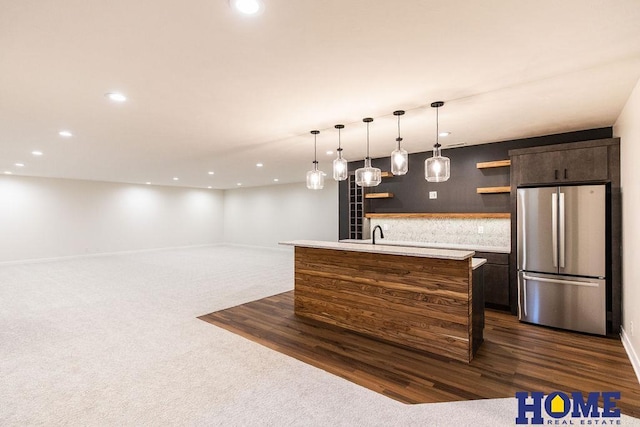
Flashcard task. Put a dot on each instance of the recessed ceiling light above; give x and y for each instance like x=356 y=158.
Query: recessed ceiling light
x=248 y=7
x=116 y=97
x=259 y=165
x=20 y=165
x=239 y=184
x=329 y=152
x=275 y=180
x=444 y=134
x=65 y=134
x=175 y=178
x=148 y=183
x=209 y=187
x=37 y=153
x=8 y=173
x=210 y=173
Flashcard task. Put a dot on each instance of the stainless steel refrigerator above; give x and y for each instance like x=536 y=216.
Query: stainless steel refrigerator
x=562 y=257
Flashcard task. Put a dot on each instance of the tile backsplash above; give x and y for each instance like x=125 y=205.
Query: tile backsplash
x=496 y=232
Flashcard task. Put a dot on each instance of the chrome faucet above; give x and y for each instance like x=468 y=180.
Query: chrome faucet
x=377 y=227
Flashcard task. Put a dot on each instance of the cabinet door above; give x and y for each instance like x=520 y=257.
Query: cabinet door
x=496 y=284
x=584 y=164
x=495 y=278
x=540 y=168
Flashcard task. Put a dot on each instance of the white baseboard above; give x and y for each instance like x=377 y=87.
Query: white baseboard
x=100 y=254
x=633 y=356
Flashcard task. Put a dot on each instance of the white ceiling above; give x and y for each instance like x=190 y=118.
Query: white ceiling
x=211 y=90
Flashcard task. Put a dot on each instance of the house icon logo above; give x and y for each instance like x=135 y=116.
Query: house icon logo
x=557 y=405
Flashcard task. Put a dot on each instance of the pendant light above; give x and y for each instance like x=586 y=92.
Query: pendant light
x=340 y=164
x=399 y=156
x=437 y=168
x=315 y=177
x=368 y=176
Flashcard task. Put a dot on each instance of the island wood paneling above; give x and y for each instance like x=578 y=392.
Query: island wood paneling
x=423 y=303
x=514 y=357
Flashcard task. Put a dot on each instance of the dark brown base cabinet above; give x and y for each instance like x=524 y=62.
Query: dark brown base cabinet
x=496 y=280
x=587 y=162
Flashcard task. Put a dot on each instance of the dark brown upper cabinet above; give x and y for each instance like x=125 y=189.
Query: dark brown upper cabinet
x=563 y=166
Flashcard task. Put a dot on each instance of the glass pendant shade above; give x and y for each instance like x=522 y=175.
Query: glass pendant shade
x=340 y=168
x=368 y=176
x=315 y=178
x=399 y=161
x=399 y=156
x=437 y=168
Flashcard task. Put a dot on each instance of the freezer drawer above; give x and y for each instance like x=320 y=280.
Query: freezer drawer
x=577 y=304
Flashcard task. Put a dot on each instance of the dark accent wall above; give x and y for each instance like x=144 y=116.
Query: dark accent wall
x=458 y=194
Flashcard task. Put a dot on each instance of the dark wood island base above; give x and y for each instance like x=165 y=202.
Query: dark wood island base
x=418 y=300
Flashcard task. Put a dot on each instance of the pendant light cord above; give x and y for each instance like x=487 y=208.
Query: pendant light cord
x=437 y=128
x=367 y=140
x=315 y=148
x=339 y=127
x=367 y=120
x=399 y=138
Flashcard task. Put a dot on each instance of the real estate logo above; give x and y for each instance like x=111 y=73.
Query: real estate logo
x=557 y=408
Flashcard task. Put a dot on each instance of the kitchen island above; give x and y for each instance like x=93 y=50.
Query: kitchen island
x=423 y=298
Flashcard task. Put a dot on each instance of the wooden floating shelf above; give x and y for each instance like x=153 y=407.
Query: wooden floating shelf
x=494 y=164
x=493 y=190
x=378 y=195
x=444 y=215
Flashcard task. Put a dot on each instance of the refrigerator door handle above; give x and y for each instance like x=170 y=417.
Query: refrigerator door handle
x=522 y=296
x=561 y=230
x=524 y=291
x=561 y=282
x=554 y=229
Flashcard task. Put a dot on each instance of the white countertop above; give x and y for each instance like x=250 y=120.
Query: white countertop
x=456 y=246
x=384 y=249
x=477 y=262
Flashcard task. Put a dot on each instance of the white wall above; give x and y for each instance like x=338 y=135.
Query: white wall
x=266 y=215
x=45 y=217
x=627 y=127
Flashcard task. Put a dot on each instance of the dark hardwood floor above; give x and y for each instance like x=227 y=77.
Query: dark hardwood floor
x=514 y=357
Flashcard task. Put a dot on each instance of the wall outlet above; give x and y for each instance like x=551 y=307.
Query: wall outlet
x=433 y=194
x=480 y=229
x=385 y=227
